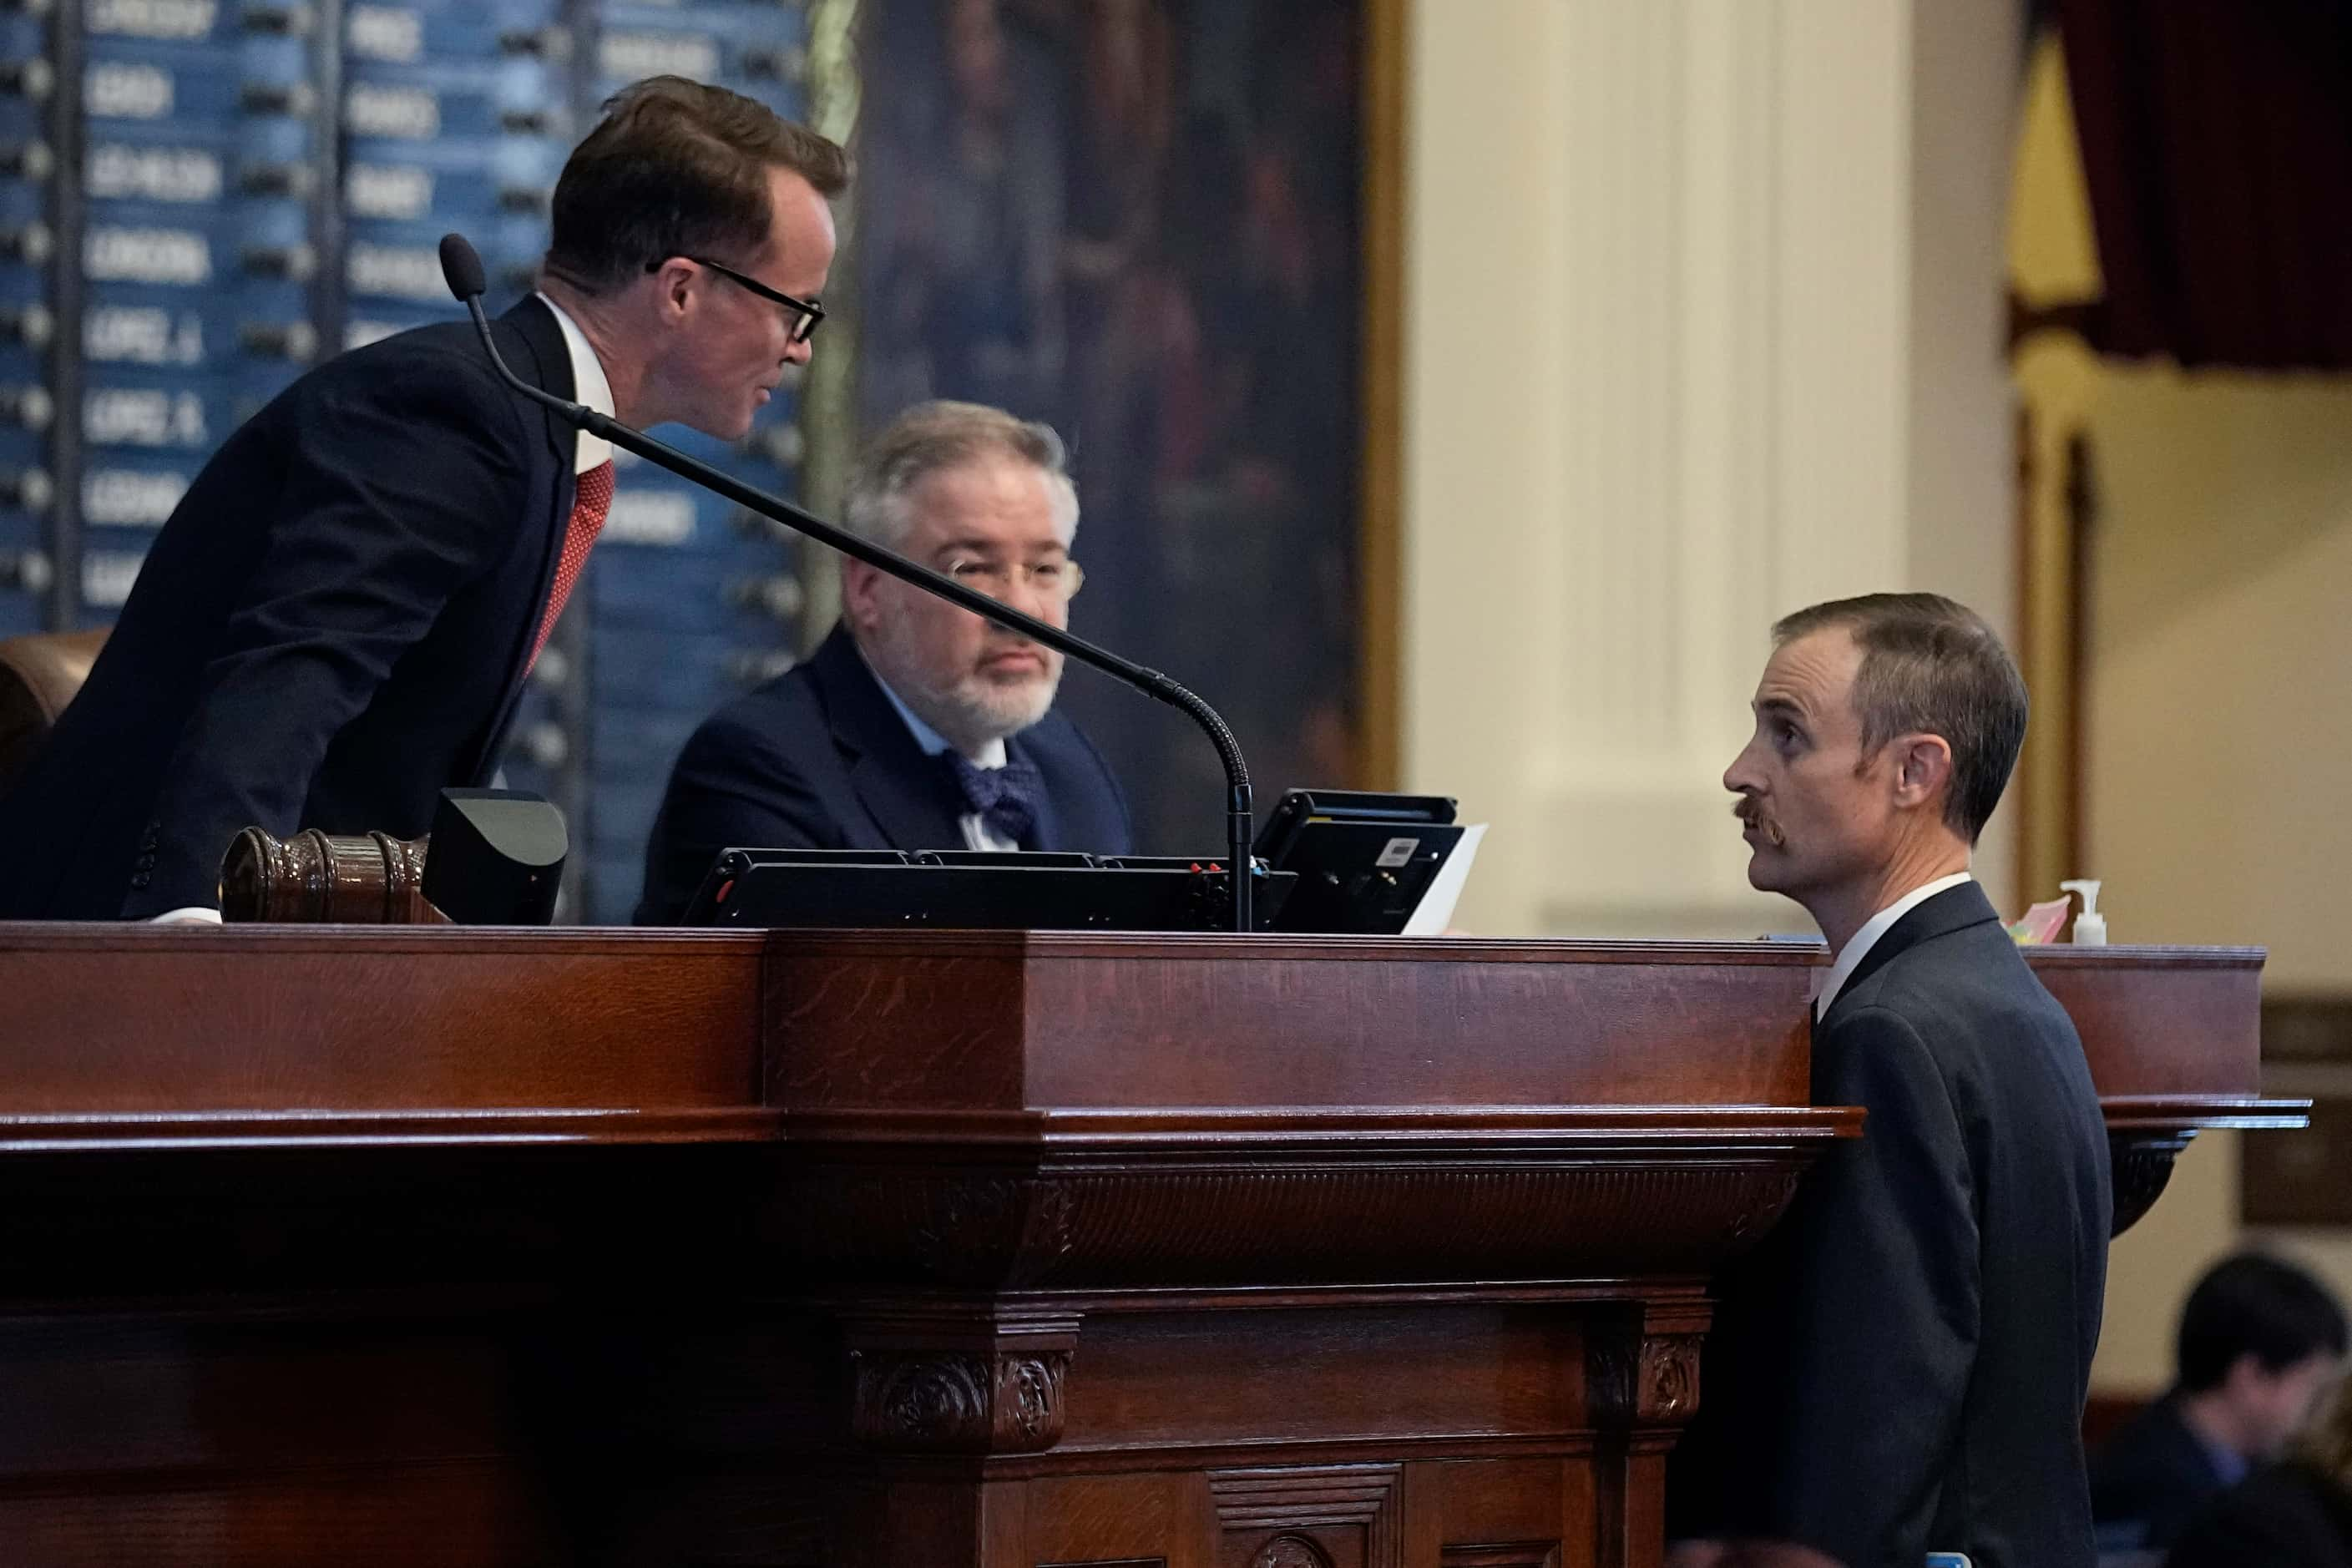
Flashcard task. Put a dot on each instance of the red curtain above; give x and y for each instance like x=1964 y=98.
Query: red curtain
x=2217 y=140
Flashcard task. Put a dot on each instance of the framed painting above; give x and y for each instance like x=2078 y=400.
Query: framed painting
x=1171 y=230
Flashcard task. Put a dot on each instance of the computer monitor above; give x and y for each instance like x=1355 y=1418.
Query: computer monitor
x=1363 y=859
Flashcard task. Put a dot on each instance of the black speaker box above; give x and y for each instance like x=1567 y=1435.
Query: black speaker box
x=496 y=857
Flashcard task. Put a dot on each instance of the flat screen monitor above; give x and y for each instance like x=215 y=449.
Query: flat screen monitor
x=1363 y=859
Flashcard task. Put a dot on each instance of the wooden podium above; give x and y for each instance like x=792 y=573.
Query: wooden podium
x=933 y=1249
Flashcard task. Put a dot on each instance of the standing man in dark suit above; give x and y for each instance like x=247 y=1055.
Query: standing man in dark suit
x=1900 y=1367
x=2260 y=1345
x=916 y=725
x=336 y=621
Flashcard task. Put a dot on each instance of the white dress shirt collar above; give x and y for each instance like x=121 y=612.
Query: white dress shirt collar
x=977 y=834
x=1877 y=926
x=589 y=387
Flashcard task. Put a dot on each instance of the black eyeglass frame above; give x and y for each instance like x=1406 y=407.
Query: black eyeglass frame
x=810 y=314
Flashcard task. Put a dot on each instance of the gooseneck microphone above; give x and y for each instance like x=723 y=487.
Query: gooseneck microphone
x=461 y=266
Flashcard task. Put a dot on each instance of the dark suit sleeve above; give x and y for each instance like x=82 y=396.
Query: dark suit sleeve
x=1884 y=1340
x=397 y=495
x=733 y=788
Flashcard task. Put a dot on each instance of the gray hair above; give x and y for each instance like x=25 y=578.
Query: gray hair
x=933 y=437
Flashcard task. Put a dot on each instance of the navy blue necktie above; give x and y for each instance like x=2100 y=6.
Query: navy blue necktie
x=1006 y=798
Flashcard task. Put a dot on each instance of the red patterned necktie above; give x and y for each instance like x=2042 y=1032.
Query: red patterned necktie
x=595 y=498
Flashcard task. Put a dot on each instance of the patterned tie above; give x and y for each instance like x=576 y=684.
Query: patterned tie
x=1006 y=798
x=593 y=500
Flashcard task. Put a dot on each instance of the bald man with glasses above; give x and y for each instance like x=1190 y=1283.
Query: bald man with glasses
x=916 y=725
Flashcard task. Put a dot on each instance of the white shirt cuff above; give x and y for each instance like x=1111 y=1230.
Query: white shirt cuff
x=189 y=914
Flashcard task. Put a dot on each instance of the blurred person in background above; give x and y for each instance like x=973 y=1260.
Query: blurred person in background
x=2259 y=1345
x=2297 y=1514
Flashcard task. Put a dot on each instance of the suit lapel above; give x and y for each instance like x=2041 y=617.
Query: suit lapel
x=532 y=342
x=909 y=795
x=1955 y=908
x=546 y=362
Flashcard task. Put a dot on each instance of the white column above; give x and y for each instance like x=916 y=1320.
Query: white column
x=1663 y=348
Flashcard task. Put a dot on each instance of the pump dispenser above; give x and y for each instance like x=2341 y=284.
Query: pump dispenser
x=2090 y=926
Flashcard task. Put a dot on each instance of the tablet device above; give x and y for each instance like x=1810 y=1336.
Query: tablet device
x=1363 y=858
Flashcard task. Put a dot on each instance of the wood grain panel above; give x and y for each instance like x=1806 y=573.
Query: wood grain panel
x=2162 y=1021
x=136 y=1020
x=1354 y=1376
x=1013 y=1019
x=459 y=1513
x=1502 y=1513
x=1152 y=1516
x=804 y=1250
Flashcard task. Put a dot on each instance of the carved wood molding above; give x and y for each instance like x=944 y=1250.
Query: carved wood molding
x=946 y=1378
x=1284 y=1222
x=2140 y=1163
x=1653 y=1382
x=1291 y=1505
x=957 y=1403
x=1642 y=1366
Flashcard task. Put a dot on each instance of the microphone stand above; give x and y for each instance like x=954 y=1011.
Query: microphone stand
x=462 y=267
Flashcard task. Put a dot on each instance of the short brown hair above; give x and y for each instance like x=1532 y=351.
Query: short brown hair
x=676 y=168
x=1930 y=666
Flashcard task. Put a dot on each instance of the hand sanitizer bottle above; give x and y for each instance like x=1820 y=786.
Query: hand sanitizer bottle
x=2090 y=926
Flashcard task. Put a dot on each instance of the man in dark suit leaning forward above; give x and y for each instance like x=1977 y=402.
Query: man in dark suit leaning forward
x=1900 y=1366
x=336 y=619
x=916 y=725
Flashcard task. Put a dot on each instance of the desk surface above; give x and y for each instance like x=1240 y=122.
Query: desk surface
x=297 y=1034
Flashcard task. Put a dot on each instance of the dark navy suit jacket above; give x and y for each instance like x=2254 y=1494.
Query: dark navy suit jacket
x=1901 y=1364
x=2152 y=1477
x=819 y=759
x=332 y=627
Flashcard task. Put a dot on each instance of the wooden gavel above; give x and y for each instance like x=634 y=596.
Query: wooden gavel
x=316 y=878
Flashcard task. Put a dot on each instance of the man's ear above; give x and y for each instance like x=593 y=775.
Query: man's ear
x=1923 y=769
x=673 y=285
x=858 y=582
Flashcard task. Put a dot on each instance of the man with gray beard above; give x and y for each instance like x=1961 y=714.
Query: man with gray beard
x=916 y=725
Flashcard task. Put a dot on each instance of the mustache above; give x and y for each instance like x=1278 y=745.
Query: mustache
x=1750 y=810
x=1050 y=661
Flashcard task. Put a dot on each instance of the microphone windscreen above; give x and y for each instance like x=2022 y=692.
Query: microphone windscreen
x=461 y=268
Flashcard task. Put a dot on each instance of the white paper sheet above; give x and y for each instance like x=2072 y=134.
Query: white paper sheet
x=1435 y=913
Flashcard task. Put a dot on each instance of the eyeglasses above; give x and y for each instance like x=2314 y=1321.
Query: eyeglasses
x=800 y=326
x=1056 y=582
